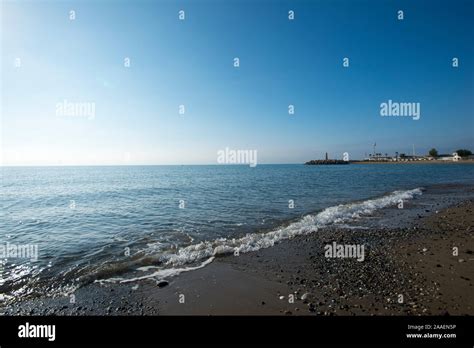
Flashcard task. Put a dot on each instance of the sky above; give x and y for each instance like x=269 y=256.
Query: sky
x=49 y=61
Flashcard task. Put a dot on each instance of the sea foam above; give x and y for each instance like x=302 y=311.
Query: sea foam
x=208 y=250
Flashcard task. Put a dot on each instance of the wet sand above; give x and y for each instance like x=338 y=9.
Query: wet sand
x=416 y=263
x=409 y=269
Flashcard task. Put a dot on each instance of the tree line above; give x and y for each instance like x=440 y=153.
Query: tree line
x=461 y=152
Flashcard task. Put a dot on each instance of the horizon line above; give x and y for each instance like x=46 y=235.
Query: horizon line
x=140 y=165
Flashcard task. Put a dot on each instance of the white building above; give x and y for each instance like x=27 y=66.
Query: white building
x=455 y=157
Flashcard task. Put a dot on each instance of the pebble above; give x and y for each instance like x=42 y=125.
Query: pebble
x=162 y=283
x=306 y=296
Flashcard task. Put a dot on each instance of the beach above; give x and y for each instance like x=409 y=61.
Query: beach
x=409 y=269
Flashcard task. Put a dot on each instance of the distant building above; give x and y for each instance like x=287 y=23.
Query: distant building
x=454 y=157
x=413 y=158
x=378 y=157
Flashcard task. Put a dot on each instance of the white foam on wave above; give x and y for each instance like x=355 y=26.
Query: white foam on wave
x=160 y=274
x=255 y=241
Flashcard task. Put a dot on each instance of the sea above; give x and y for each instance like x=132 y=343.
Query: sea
x=64 y=227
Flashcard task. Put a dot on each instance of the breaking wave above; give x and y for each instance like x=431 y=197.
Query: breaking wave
x=204 y=252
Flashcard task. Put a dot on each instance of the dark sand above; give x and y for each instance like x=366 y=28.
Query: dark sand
x=408 y=252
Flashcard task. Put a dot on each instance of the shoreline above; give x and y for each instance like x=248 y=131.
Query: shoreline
x=432 y=281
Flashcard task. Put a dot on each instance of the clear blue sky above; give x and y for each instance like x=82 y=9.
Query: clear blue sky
x=191 y=63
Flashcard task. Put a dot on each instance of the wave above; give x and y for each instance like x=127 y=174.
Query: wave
x=172 y=263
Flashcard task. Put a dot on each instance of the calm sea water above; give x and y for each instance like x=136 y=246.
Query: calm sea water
x=131 y=222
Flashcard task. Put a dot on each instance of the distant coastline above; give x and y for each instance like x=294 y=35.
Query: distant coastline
x=462 y=156
x=326 y=162
x=414 y=162
x=338 y=162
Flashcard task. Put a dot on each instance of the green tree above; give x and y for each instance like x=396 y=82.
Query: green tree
x=433 y=152
x=464 y=152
